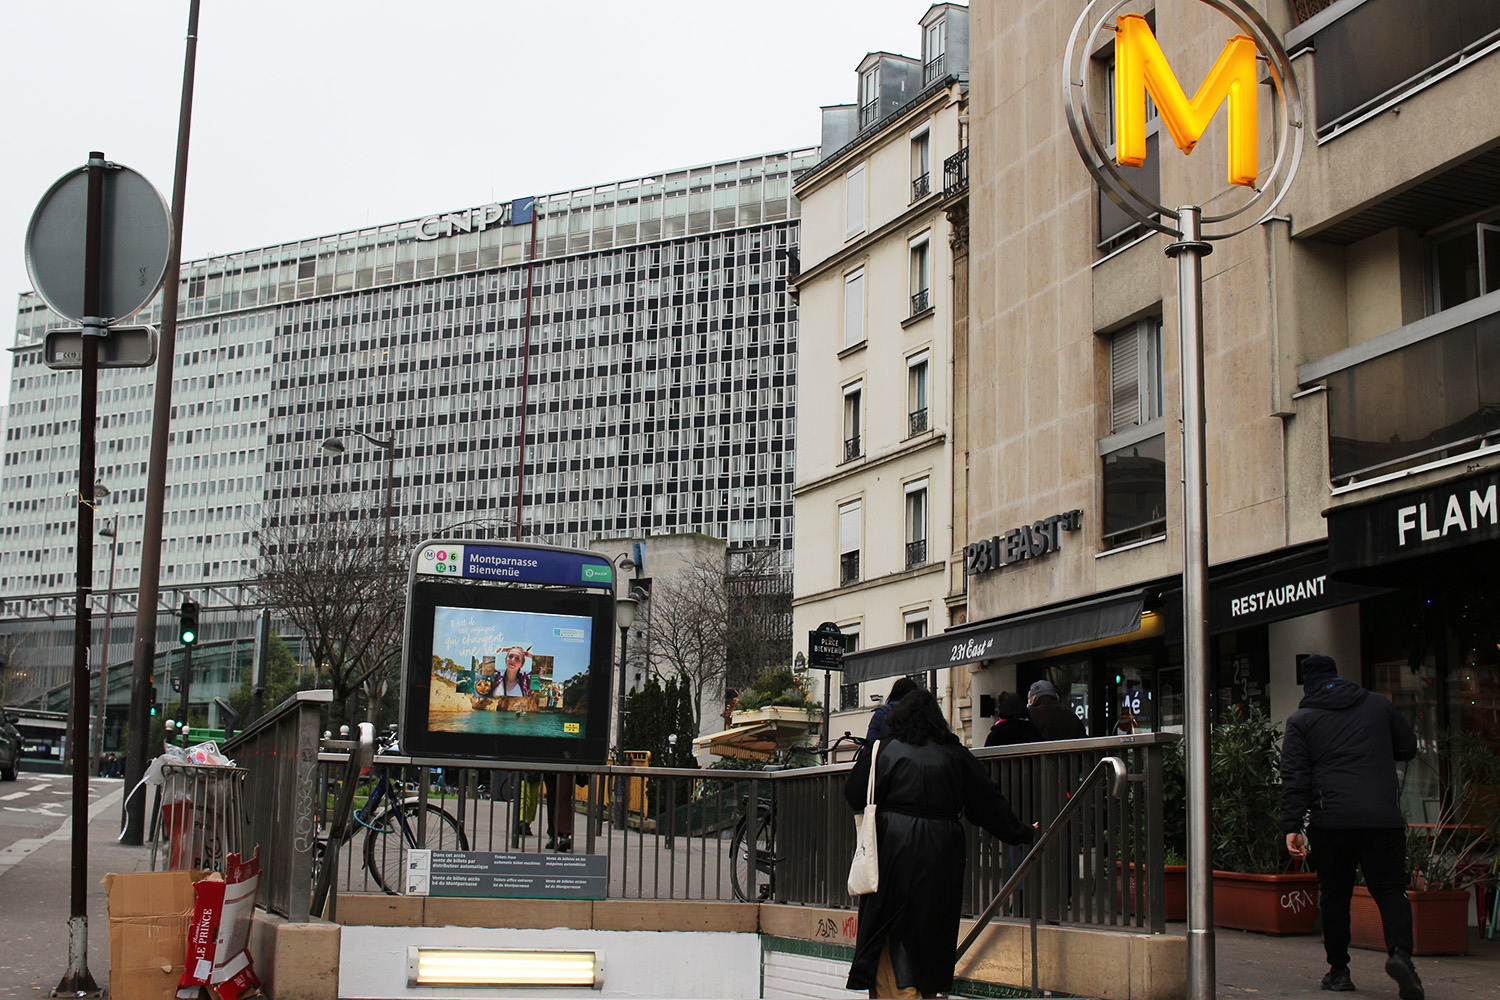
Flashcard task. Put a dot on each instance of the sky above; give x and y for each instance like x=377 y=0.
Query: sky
x=324 y=116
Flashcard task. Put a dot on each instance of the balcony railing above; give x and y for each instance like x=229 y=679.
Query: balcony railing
x=848 y=568
x=956 y=173
x=852 y=448
x=916 y=422
x=921 y=187
x=934 y=70
x=921 y=302
x=869 y=114
x=916 y=553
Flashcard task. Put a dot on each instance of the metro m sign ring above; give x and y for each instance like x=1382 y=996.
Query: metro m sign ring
x=1141 y=68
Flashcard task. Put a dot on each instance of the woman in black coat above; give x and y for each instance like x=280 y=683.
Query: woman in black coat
x=924 y=780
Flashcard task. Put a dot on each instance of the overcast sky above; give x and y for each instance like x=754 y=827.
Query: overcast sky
x=320 y=116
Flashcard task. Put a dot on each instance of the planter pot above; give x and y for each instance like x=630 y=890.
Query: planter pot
x=1269 y=904
x=1174 y=888
x=1439 y=918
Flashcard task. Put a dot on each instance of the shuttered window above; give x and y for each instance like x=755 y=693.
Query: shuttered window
x=854 y=308
x=854 y=202
x=1135 y=375
x=849 y=528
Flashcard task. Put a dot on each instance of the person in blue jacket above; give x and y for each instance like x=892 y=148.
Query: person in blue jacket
x=1338 y=765
x=903 y=687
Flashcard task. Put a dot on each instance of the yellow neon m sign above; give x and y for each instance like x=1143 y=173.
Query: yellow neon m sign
x=1140 y=67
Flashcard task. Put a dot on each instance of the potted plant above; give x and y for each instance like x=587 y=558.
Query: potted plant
x=1254 y=888
x=1453 y=856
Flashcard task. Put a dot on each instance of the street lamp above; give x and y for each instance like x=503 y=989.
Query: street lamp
x=625 y=612
x=107 y=531
x=335 y=446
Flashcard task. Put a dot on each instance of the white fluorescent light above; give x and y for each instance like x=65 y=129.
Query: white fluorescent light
x=489 y=967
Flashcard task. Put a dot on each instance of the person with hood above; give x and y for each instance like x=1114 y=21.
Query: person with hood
x=1013 y=724
x=903 y=687
x=925 y=779
x=1055 y=720
x=1338 y=764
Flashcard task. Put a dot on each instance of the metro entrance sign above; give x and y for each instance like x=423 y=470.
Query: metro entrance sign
x=825 y=647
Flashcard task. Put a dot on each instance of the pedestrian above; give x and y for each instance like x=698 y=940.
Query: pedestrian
x=925 y=779
x=1055 y=720
x=1013 y=724
x=903 y=687
x=1338 y=764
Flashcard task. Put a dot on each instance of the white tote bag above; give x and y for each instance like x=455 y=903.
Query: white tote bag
x=864 y=870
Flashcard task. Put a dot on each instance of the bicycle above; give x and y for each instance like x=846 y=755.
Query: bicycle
x=393 y=820
x=764 y=857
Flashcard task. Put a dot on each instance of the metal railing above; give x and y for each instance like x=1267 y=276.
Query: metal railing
x=852 y=448
x=670 y=833
x=916 y=553
x=848 y=568
x=916 y=422
x=921 y=186
x=279 y=752
x=956 y=173
x=921 y=301
x=934 y=68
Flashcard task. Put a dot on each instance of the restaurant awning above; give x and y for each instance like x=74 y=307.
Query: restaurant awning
x=1006 y=638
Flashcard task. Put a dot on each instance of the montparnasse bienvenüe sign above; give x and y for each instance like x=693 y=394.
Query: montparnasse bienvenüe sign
x=1142 y=68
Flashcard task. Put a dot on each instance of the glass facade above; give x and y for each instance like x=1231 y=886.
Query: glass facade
x=636 y=375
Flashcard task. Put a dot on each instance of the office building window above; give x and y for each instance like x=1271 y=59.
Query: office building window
x=1134 y=454
x=1466 y=265
x=853 y=419
x=916 y=523
x=854 y=308
x=921 y=163
x=854 y=202
x=1135 y=375
x=849 y=528
x=921 y=274
x=916 y=394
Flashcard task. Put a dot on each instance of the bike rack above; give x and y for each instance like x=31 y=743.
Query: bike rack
x=1113 y=766
x=360 y=757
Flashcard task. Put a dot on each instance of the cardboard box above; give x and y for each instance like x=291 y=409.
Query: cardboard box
x=149 y=913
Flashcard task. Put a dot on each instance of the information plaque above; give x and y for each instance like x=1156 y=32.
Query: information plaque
x=511 y=875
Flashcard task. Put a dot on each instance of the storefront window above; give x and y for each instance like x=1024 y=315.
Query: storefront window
x=1134 y=702
x=1071 y=678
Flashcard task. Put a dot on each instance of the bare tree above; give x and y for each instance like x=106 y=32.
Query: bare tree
x=331 y=576
x=718 y=619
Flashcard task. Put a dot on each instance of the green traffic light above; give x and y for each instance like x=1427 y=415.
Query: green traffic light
x=189 y=637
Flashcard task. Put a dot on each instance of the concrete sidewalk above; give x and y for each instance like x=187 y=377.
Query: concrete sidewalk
x=1262 y=965
x=35 y=902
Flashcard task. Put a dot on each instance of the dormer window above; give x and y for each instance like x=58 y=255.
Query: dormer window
x=934 y=51
x=869 y=96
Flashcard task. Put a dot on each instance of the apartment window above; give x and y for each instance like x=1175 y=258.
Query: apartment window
x=916 y=628
x=1134 y=454
x=1135 y=375
x=853 y=419
x=849 y=693
x=854 y=202
x=869 y=96
x=916 y=523
x=1466 y=265
x=854 y=308
x=921 y=274
x=921 y=163
x=934 y=51
x=916 y=394
x=849 y=514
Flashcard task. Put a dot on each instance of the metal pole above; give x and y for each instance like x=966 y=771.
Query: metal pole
x=134 y=818
x=618 y=799
x=1189 y=252
x=187 y=680
x=109 y=616
x=827 y=696
x=390 y=481
x=77 y=979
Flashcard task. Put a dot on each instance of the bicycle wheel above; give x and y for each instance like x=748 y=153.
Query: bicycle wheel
x=743 y=860
x=392 y=835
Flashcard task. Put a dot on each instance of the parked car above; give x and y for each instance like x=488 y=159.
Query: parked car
x=10 y=747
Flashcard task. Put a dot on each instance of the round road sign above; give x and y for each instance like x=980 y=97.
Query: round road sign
x=137 y=240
